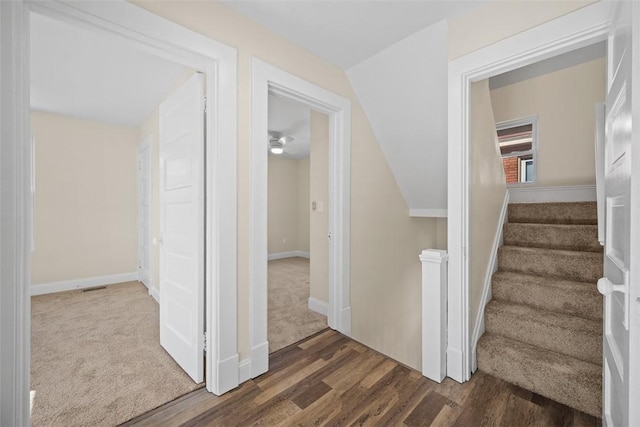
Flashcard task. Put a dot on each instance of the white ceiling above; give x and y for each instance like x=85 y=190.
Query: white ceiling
x=348 y=32
x=290 y=118
x=94 y=76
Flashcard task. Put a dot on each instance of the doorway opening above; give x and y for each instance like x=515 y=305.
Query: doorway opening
x=124 y=21
x=267 y=80
x=297 y=222
x=576 y=30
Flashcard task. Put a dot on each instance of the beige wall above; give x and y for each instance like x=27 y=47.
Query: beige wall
x=564 y=102
x=86 y=199
x=304 y=204
x=288 y=212
x=498 y=20
x=487 y=189
x=385 y=241
x=319 y=265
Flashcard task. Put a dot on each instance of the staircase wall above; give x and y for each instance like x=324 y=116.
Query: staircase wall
x=487 y=192
x=564 y=103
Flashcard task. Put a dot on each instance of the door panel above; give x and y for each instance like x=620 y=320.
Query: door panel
x=182 y=226
x=618 y=389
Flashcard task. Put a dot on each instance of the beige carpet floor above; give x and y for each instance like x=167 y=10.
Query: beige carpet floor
x=96 y=358
x=289 y=317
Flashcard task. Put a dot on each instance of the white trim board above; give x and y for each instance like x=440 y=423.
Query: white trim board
x=479 y=329
x=281 y=255
x=15 y=211
x=572 y=193
x=267 y=79
x=588 y=25
x=428 y=213
x=318 y=306
x=87 y=282
x=171 y=41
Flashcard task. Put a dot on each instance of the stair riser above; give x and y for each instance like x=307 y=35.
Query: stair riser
x=567 y=237
x=578 y=266
x=583 y=302
x=577 y=385
x=554 y=213
x=583 y=342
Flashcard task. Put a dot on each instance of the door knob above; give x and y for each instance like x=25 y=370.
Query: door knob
x=606 y=287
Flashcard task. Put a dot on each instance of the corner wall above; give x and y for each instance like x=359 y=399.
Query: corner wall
x=85 y=199
x=288 y=212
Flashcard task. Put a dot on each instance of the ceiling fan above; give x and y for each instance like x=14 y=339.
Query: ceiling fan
x=277 y=141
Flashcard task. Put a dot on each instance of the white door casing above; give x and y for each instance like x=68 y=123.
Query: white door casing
x=269 y=79
x=144 y=213
x=174 y=42
x=182 y=209
x=620 y=385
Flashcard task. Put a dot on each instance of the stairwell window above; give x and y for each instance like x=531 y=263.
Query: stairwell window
x=517 y=143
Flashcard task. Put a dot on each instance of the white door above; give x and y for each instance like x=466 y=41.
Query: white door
x=621 y=396
x=144 y=213
x=182 y=226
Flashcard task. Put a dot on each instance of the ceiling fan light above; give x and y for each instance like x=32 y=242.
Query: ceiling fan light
x=277 y=150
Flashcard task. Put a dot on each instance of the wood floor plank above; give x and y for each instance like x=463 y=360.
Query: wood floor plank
x=310 y=395
x=427 y=410
x=332 y=380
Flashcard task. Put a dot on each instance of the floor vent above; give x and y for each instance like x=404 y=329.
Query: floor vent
x=96 y=288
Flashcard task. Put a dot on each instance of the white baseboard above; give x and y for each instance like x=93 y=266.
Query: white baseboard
x=244 y=371
x=454 y=365
x=228 y=371
x=155 y=293
x=88 y=282
x=259 y=359
x=478 y=330
x=291 y=254
x=570 y=193
x=318 y=306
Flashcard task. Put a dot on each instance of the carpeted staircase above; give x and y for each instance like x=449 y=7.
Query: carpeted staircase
x=544 y=323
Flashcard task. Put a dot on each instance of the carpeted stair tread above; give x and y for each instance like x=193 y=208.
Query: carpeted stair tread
x=569 y=265
x=562 y=296
x=567 y=380
x=554 y=213
x=569 y=335
x=575 y=237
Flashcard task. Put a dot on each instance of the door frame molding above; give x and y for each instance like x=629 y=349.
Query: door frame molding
x=168 y=40
x=581 y=28
x=269 y=79
x=145 y=145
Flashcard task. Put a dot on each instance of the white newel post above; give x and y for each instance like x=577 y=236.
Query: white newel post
x=434 y=313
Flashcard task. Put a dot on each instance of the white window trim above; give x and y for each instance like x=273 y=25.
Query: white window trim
x=533 y=120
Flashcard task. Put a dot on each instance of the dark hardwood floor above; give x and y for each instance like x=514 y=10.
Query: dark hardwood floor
x=330 y=379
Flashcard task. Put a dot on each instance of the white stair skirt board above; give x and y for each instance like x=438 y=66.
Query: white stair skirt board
x=291 y=254
x=478 y=330
x=88 y=282
x=571 y=193
x=318 y=306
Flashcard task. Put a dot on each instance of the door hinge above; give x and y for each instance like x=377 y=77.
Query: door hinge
x=204 y=342
x=205 y=104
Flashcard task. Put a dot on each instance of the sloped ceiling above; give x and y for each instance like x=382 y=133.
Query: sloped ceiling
x=403 y=90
